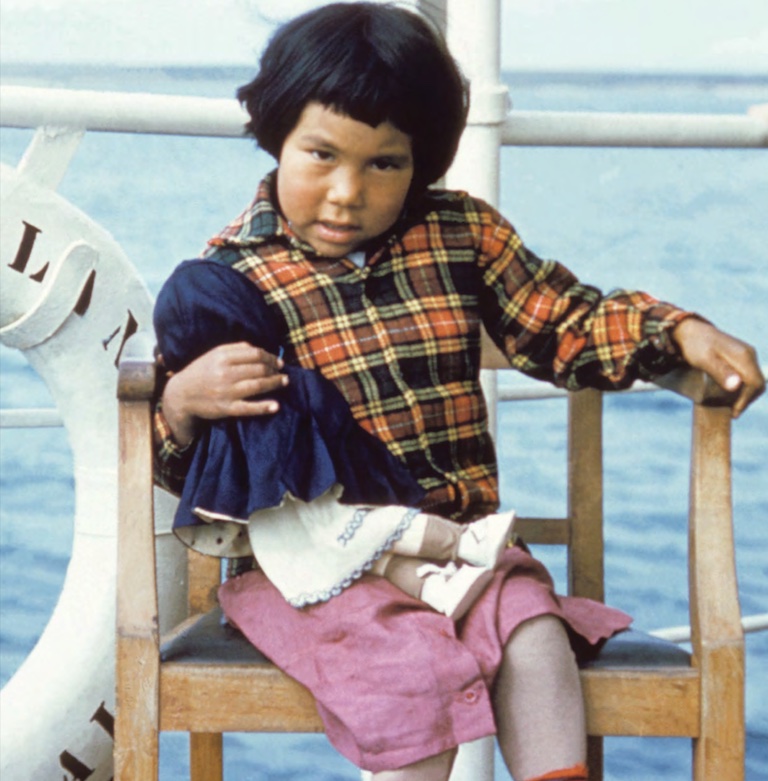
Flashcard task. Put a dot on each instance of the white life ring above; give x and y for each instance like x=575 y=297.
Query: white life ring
x=68 y=299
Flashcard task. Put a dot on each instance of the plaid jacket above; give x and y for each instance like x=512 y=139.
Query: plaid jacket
x=400 y=337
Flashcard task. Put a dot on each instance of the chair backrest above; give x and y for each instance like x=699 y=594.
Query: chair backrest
x=581 y=530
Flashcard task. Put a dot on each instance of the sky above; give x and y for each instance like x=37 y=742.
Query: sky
x=727 y=36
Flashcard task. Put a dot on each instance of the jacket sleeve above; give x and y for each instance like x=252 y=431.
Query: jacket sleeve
x=171 y=462
x=555 y=328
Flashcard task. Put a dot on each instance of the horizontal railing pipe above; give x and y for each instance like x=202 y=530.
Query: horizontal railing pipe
x=30 y=418
x=121 y=112
x=124 y=112
x=571 y=128
x=682 y=634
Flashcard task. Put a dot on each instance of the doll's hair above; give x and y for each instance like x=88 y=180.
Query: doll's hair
x=372 y=62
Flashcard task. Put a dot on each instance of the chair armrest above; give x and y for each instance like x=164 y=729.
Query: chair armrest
x=137 y=372
x=714 y=602
x=697 y=386
x=136 y=578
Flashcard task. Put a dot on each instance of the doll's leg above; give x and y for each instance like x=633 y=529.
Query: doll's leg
x=479 y=543
x=401 y=571
x=538 y=704
x=448 y=589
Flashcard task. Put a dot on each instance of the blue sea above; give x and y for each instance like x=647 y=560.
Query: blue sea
x=689 y=226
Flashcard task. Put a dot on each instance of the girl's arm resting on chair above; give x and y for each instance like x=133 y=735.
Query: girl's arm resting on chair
x=731 y=362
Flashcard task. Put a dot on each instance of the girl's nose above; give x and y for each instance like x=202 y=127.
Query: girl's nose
x=346 y=188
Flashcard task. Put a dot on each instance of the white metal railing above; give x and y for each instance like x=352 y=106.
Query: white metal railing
x=125 y=112
x=570 y=128
x=30 y=418
x=682 y=634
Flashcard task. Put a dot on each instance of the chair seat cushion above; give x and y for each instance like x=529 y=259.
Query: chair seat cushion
x=634 y=649
x=212 y=640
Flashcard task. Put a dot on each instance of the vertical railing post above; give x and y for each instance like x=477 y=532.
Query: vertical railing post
x=472 y=33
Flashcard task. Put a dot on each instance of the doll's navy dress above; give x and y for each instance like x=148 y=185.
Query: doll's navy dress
x=239 y=466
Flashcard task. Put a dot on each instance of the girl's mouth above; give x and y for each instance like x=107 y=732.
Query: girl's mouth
x=337 y=231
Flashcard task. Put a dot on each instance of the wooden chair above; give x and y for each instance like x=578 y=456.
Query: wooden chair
x=206 y=679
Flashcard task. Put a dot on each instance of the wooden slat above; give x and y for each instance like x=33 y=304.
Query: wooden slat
x=261 y=698
x=638 y=702
x=543 y=531
x=206 y=757
x=585 y=495
x=490 y=355
x=203 y=580
x=238 y=698
x=136 y=715
x=719 y=750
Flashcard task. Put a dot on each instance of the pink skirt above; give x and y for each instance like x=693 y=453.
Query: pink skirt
x=395 y=681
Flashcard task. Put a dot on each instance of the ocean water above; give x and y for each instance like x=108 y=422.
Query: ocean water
x=687 y=225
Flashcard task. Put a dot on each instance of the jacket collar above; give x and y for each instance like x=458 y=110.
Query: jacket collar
x=260 y=223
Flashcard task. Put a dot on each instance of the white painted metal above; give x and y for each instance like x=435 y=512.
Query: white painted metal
x=47 y=158
x=122 y=112
x=682 y=634
x=67 y=296
x=472 y=34
x=473 y=38
x=30 y=418
x=571 y=128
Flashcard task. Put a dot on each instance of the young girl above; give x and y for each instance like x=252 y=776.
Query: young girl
x=382 y=285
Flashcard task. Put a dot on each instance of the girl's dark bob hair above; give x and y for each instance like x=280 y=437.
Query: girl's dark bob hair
x=372 y=62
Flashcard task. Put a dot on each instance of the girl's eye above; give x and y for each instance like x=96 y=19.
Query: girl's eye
x=385 y=164
x=321 y=154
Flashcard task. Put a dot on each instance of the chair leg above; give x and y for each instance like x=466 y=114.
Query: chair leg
x=595 y=757
x=206 y=756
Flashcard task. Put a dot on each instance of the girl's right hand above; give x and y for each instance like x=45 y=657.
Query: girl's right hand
x=222 y=383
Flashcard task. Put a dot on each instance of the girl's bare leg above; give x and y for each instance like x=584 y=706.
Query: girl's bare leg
x=436 y=768
x=538 y=702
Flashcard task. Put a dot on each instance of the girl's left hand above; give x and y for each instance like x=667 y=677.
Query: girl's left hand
x=732 y=363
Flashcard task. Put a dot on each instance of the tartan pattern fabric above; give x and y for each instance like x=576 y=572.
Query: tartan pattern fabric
x=400 y=337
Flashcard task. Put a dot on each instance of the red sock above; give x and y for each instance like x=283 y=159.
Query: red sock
x=575 y=773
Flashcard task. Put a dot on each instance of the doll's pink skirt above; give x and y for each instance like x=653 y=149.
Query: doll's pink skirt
x=395 y=681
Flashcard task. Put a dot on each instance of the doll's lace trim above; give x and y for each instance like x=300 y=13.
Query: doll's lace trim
x=355 y=523
x=325 y=594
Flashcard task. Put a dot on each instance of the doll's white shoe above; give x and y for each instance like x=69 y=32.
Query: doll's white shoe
x=482 y=542
x=452 y=590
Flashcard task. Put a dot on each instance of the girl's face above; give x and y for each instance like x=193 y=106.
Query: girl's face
x=341 y=182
